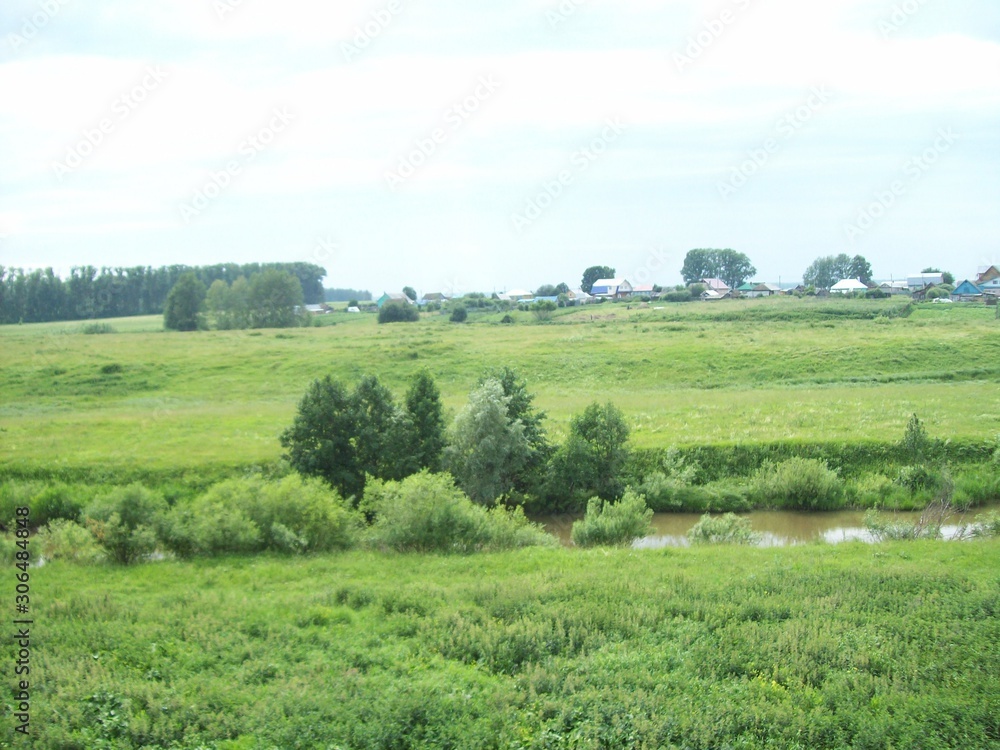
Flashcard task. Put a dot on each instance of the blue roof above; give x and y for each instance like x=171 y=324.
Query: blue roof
x=967 y=287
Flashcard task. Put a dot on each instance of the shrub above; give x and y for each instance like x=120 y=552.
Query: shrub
x=684 y=296
x=422 y=513
x=427 y=513
x=917 y=478
x=212 y=524
x=398 y=312
x=974 y=488
x=55 y=501
x=98 y=328
x=124 y=522
x=14 y=495
x=63 y=539
x=726 y=529
x=307 y=508
x=803 y=483
x=459 y=314
x=618 y=523
x=987 y=525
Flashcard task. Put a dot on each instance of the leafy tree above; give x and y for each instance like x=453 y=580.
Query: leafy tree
x=488 y=451
x=594 y=273
x=320 y=441
x=546 y=290
x=125 y=522
x=543 y=309
x=459 y=314
x=410 y=292
x=423 y=405
x=605 y=432
x=824 y=272
x=561 y=288
x=732 y=267
x=398 y=312
x=184 y=303
x=383 y=433
x=860 y=269
x=273 y=296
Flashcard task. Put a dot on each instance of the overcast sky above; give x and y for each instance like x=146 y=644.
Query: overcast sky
x=452 y=147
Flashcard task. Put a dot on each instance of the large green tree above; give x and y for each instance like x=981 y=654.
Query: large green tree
x=732 y=267
x=826 y=271
x=273 y=298
x=423 y=405
x=487 y=451
x=184 y=304
x=594 y=273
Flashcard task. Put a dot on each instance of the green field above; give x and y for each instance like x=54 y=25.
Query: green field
x=808 y=647
x=745 y=372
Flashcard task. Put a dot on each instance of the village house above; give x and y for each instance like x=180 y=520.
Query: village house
x=967 y=292
x=611 y=288
x=393 y=297
x=848 y=286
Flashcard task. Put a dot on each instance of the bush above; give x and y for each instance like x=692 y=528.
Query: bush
x=212 y=524
x=917 y=478
x=987 y=526
x=684 y=296
x=14 y=495
x=727 y=529
x=459 y=314
x=67 y=540
x=428 y=513
x=125 y=521
x=98 y=328
x=799 y=483
x=55 y=501
x=618 y=523
x=398 y=312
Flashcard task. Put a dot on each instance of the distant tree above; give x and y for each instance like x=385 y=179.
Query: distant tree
x=217 y=304
x=459 y=314
x=272 y=297
x=734 y=268
x=561 y=288
x=544 y=309
x=860 y=269
x=824 y=272
x=352 y=303
x=487 y=450
x=410 y=292
x=423 y=405
x=398 y=312
x=184 y=304
x=946 y=276
x=594 y=273
x=546 y=290
x=383 y=433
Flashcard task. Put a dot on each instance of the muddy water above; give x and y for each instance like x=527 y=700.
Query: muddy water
x=777 y=528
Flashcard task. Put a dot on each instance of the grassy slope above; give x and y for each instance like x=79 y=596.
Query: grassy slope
x=686 y=374
x=809 y=647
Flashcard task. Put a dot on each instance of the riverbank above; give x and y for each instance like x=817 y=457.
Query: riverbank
x=819 y=646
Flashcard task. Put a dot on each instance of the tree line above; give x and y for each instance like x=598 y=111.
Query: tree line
x=41 y=295
x=496 y=448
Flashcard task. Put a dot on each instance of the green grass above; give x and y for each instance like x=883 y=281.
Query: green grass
x=810 y=647
x=141 y=399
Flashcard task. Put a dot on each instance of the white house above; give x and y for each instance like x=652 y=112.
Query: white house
x=988 y=279
x=848 y=286
x=611 y=288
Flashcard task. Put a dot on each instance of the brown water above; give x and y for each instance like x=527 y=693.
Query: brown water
x=777 y=528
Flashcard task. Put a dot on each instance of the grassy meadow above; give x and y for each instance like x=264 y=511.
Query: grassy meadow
x=808 y=647
x=753 y=371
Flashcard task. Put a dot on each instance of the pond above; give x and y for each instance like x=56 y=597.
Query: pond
x=777 y=528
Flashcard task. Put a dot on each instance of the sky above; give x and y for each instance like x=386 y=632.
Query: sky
x=455 y=148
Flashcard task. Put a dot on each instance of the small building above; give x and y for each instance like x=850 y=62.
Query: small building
x=763 y=290
x=894 y=288
x=988 y=279
x=848 y=286
x=317 y=309
x=433 y=297
x=643 y=290
x=710 y=295
x=716 y=285
x=516 y=295
x=924 y=280
x=611 y=288
x=579 y=297
x=393 y=297
x=967 y=292
x=353 y=309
